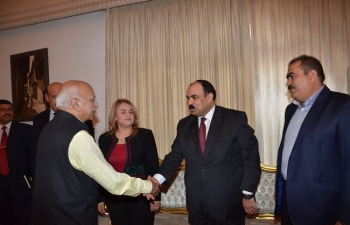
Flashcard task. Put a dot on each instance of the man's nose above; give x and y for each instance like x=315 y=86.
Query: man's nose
x=288 y=81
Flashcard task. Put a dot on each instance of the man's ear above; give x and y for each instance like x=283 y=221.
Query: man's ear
x=313 y=75
x=47 y=98
x=75 y=104
x=210 y=97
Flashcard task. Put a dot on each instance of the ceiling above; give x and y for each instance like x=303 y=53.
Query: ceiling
x=15 y=6
x=18 y=13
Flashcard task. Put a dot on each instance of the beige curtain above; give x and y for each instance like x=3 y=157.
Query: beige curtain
x=282 y=30
x=154 y=50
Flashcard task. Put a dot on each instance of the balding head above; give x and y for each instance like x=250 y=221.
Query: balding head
x=51 y=95
x=77 y=98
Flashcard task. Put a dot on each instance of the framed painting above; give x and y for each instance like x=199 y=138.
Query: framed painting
x=30 y=77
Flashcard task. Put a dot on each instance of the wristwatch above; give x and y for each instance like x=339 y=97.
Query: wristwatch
x=247 y=196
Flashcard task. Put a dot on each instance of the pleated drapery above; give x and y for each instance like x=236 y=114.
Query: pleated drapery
x=154 y=50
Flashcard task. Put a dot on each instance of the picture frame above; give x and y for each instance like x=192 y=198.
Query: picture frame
x=29 y=77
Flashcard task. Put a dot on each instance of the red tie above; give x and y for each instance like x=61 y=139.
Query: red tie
x=4 y=167
x=202 y=135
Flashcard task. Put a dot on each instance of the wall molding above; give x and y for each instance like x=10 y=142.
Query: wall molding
x=59 y=11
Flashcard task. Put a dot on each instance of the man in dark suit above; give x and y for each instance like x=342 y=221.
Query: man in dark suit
x=15 y=168
x=45 y=116
x=313 y=169
x=220 y=182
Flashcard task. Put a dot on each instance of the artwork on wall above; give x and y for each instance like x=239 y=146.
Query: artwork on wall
x=30 y=77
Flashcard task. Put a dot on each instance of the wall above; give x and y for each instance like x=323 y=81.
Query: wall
x=76 y=48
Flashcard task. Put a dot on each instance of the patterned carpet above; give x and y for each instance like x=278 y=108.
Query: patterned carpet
x=181 y=219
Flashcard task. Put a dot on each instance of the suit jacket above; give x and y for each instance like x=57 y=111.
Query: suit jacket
x=318 y=183
x=19 y=157
x=230 y=164
x=39 y=122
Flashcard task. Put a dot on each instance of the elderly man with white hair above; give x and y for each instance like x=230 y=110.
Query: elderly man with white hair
x=70 y=164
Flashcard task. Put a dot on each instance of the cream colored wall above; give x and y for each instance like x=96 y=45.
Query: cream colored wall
x=76 y=49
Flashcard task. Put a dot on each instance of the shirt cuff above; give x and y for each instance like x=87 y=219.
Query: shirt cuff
x=148 y=187
x=159 y=178
x=246 y=192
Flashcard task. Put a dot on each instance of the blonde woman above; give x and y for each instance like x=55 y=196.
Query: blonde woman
x=131 y=150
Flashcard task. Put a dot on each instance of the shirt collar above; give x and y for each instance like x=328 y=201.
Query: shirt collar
x=7 y=125
x=52 y=114
x=209 y=115
x=310 y=101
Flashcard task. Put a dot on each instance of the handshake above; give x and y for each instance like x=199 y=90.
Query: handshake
x=155 y=188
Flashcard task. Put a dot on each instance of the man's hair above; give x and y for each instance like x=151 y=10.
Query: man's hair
x=207 y=88
x=65 y=97
x=308 y=63
x=113 y=125
x=5 y=102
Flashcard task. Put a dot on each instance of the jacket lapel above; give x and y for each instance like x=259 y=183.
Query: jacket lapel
x=195 y=135
x=213 y=130
x=314 y=111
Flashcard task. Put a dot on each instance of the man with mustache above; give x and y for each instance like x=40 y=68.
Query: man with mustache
x=222 y=160
x=313 y=169
x=15 y=168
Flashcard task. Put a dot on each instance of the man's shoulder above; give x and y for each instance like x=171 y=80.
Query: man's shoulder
x=339 y=96
x=21 y=126
x=188 y=119
x=219 y=110
x=44 y=115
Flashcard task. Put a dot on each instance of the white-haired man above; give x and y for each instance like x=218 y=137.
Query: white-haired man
x=70 y=164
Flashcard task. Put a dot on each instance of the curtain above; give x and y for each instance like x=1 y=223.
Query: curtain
x=154 y=50
x=281 y=31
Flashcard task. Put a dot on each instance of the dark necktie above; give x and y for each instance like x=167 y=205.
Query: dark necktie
x=4 y=167
x=202 y=134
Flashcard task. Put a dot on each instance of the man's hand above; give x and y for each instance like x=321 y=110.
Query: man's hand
x=155 y=189
x=250 y=206
x=154 y=205
x=101 y=207
x=338 y=223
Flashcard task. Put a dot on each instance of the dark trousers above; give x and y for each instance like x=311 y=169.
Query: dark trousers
x=13 y=211
x=285 y=215
x=203 y=216
x=125 y=210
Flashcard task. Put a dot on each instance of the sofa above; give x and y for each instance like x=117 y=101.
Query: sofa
x=174 y=195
